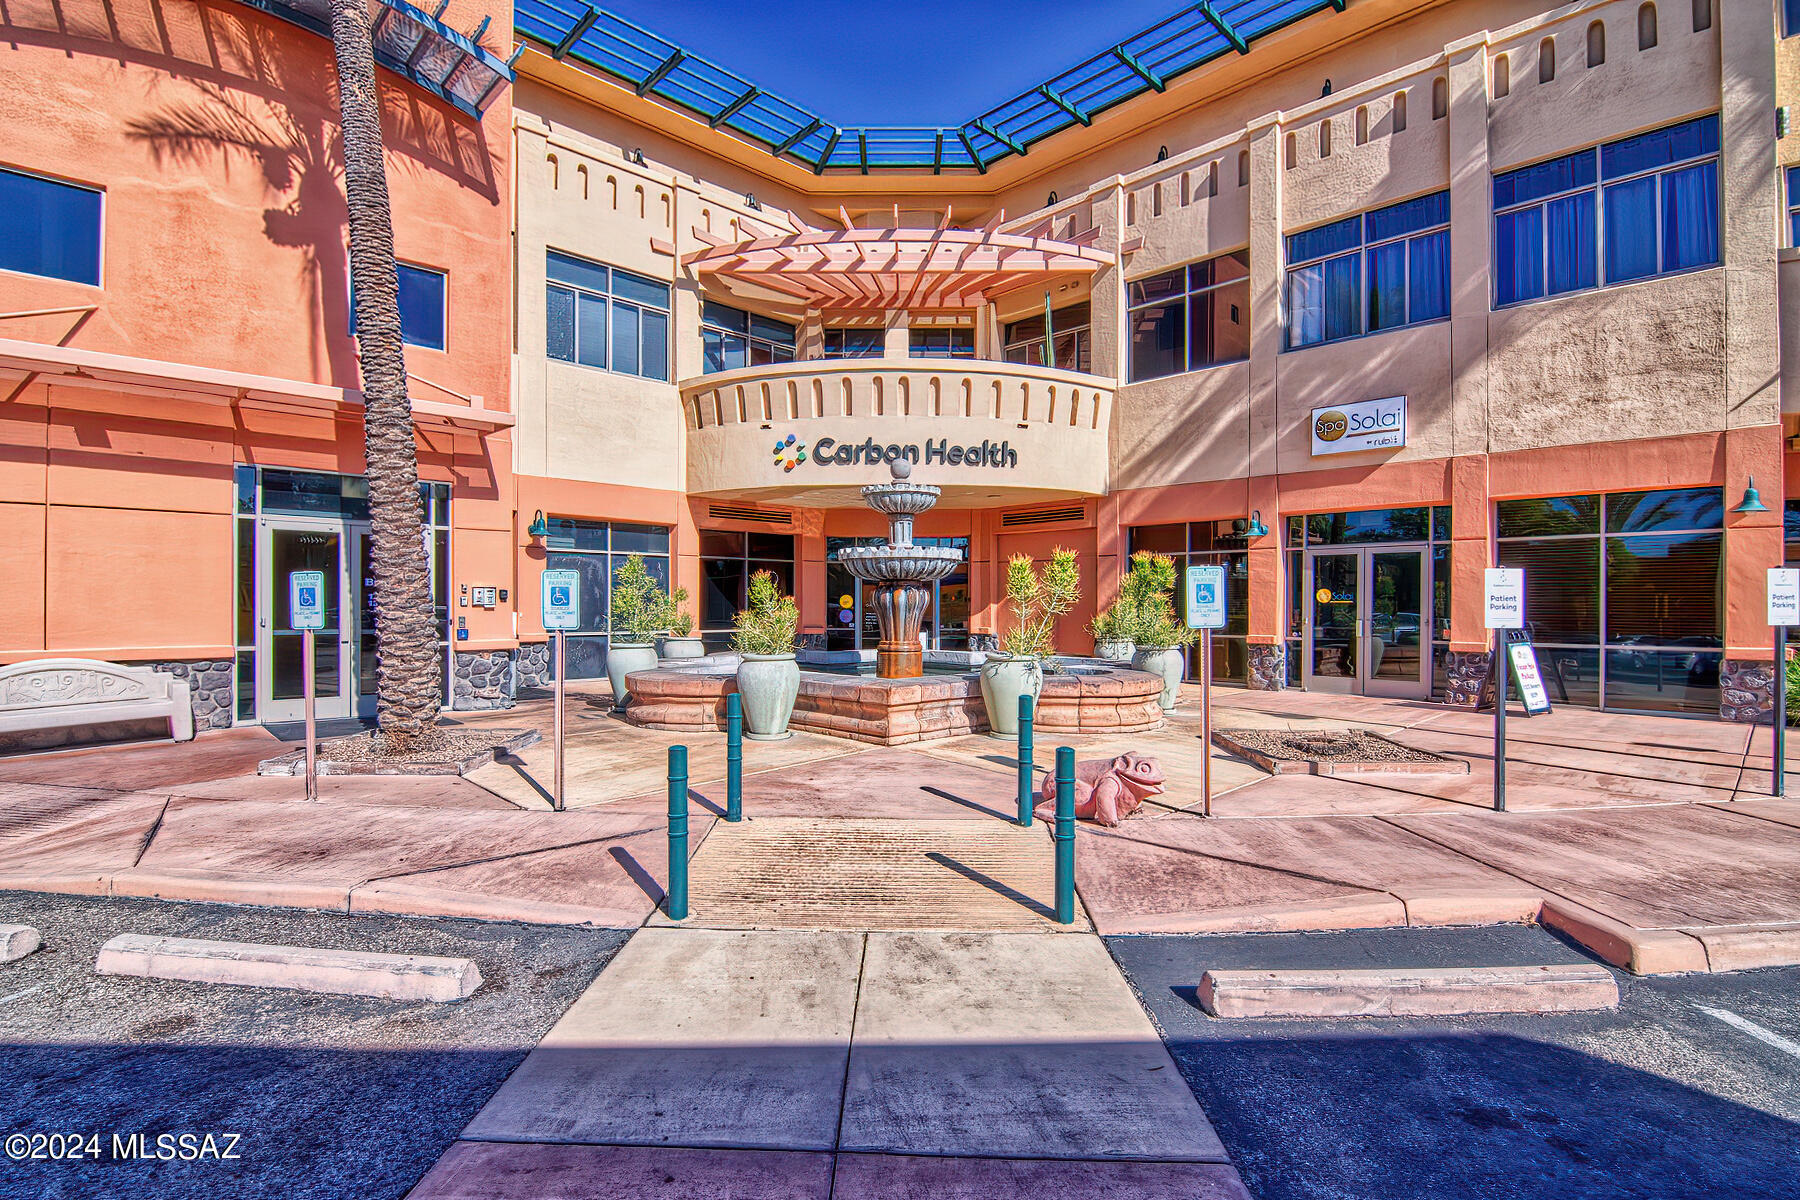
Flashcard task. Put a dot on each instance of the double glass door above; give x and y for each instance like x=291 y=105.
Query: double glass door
x=1366 y=625
x=343 y=651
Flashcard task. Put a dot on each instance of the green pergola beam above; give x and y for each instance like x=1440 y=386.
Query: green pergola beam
x=580 y=27
x=726 y=113
x=862 y=148
x=969 y=149
x=662 y=69
x=1015 y=146
x=1145 y=73
x=937 y=155
x=1223 y=26
x=830 y=146
x=1054 y=97
x=795 y=139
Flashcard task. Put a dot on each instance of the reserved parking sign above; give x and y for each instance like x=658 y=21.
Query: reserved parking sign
x=562 y=600
x=306 y=600
x=1206 y=597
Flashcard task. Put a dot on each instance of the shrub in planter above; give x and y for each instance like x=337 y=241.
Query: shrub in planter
x=640 y=606
x=680 y=642
x=1037 y=597
x=1112 y=633
x=768 y=677
x=1160 y=637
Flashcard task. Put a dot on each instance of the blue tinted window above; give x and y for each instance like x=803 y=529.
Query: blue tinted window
x=1631 y=229
x=1690 y=200
x=421 y=307
x=1660 y=147
x=724 y=317
x=560 y=323
x=639 y=290
x=1409 y=216
x=1387 y=286
x=1428 y=276
x=1793 y=201
x=1790 y=17
x=1519 y=255
x=51 y=228
x=1569 y=237
x=1328 y=239
x=576 y=271
x=1544 y=179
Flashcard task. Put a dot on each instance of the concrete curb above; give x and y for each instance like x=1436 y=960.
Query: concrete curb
x=1640 y=951
x=1748 y=947
x=16 y=941
x=1407 y=992
x=250 y=964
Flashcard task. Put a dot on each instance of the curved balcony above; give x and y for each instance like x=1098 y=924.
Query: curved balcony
x=814 y=432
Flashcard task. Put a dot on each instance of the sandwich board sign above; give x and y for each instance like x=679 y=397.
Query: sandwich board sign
x=1522 y=657
x=306 y=599
x=562 y=600
x=1206 y=597
x=1504 y=598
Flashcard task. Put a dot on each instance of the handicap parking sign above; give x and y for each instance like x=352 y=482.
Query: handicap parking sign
x=1206 y=597
x=306 y=600
x=562 y=600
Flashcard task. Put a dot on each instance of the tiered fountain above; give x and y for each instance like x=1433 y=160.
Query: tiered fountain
x=900 y=571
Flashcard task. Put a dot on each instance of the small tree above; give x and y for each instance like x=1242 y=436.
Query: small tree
x=678 y=620
x=1037 y=598
x=768 y=626
x=640 y=606
x=1146 y=607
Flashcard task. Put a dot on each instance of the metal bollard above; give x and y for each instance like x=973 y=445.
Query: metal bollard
x=734 y=758
x=1065 y=835
x=675 y=903
x=1026 y=790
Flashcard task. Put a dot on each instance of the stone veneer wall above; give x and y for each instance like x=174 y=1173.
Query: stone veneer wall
x=1469 y=679
x=1747 y=691
x=209 y=688
x=484 y=680
x=1267 y=667
x=531 y=669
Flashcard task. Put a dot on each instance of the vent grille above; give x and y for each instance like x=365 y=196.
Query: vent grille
x=1042 y=516
x=737 y=512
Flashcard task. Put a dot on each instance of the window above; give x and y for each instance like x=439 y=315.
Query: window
x=1793 y=205
x=854 y=343
x=52 y=228
x=1367 y=273
x=948 y=342
x=1192 y=317
x=1623 y=594
x=594 y=550
x=1790 y=17
x=421 y=299
x=1069 y=328
x=1641 y=206
x=733 y=338
x=1210 y=543
x=727 y=560
x=602 y=317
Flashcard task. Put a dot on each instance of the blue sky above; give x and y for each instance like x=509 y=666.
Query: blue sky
x=914 y=62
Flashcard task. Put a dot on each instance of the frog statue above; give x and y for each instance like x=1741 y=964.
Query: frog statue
x=1107 y=790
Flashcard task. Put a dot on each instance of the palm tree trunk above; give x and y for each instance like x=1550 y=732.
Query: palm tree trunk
x=409 y=673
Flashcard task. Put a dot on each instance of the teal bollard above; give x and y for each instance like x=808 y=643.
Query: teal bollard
x=1026 y=790
x=1065 y=835
x=734 y=758
x=676 y=902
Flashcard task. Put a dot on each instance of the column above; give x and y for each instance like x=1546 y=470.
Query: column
x=1266 y=647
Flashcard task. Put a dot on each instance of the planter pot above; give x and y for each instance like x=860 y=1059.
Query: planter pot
x=768 y=684
x=1119 y=652
x=1168 y=662
x=1004 y=678
x=621 y=659
x=682 y=647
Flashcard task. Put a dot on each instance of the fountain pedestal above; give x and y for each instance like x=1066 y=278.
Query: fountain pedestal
x=900 y=571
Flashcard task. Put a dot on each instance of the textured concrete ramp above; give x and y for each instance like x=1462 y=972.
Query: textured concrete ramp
x=694 y=1038
x=793 y=872
x=1012 y=1045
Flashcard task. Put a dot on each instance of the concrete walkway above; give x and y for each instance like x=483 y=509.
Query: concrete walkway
x=789 y=1062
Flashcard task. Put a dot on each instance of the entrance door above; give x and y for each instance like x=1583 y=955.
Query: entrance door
x=1366 y=630
x=298 y=545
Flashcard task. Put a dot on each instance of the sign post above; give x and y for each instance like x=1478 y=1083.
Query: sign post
x=561 y=592
x=306 y=613
x=1206 y=612
x=1784 y=610
x=1505 y=609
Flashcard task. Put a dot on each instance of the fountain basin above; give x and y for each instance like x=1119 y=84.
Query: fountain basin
x=899 y=564
x=1088 y=696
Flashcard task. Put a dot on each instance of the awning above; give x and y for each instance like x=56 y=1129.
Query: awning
x=897 y=268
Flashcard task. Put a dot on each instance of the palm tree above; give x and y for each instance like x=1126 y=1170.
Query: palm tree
x=408 y=672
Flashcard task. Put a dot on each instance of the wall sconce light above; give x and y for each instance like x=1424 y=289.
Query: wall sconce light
x=1752 y=501
x=1257 y=528
x=539 y=529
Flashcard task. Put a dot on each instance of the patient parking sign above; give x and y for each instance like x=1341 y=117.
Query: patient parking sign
x=1784 y=596
x=306 y=599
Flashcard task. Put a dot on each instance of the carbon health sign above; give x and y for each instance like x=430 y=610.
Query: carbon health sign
x=1365 y=425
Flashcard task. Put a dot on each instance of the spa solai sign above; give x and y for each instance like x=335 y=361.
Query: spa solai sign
x=1366 y=425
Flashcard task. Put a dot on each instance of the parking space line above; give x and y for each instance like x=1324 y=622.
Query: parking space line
x=1754 y=1030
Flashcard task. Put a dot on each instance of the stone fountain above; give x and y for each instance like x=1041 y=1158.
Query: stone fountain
x=900 y=571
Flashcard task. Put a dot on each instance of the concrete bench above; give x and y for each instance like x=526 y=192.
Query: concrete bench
x=56 y=698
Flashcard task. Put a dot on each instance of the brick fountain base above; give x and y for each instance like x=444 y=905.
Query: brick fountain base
x=1086 y=698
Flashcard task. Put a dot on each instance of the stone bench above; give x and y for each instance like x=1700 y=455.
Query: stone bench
x=55 y=701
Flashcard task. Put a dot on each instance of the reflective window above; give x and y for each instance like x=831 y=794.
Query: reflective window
x=594 y=550
x=727 y=561
x=732 y=338
x=52 y=228
x=602 y=317
x=1191 y=317
x=1069 y=330
x=854 y=343
x=1363 y=274
x=949 y=342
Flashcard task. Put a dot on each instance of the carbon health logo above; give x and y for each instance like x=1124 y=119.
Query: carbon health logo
x=789 y=453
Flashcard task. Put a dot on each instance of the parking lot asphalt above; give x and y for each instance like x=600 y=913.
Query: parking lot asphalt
x=335 y=1097
x=1690 y=1089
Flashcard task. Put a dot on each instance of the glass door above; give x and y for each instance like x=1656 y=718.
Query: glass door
x=1398 y=642
x=1332 y=646
x=363 y=645
x=290 y=546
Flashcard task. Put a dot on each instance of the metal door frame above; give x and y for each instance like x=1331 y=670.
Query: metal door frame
x=343 y=702
x=1364 y=683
